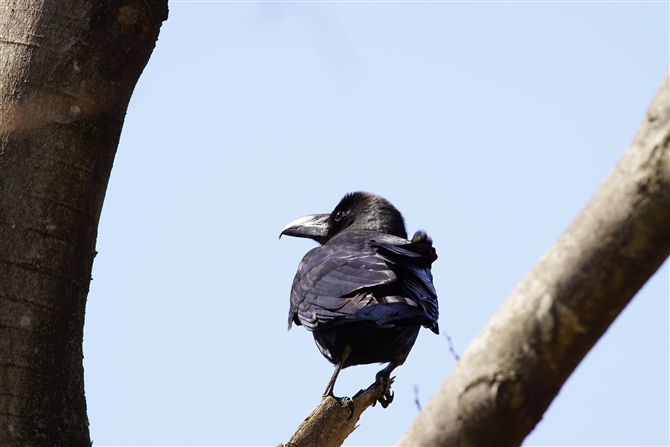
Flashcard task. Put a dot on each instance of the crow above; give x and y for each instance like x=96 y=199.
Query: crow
x=366 y=291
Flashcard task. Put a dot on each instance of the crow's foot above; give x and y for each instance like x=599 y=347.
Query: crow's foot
x=344 y=401
x=348 y=402
x=385 y=381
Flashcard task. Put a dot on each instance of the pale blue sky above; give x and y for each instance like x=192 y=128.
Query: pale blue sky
x=489 y=125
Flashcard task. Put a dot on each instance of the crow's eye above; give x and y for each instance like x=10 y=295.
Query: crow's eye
x=338 y=216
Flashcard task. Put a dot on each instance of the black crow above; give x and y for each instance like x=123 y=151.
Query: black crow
x=366 y=291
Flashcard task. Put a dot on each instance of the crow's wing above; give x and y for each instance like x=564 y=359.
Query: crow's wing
x=364 y=276
x=414 y=260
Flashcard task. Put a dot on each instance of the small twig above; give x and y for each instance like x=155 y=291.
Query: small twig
x=451 y=346
x=416 y=397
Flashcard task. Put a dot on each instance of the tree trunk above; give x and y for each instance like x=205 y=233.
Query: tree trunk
x=67 y=71
x=510 y=373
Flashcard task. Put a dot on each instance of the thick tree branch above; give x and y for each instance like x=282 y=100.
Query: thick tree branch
x=514 y=368
x=67 y=70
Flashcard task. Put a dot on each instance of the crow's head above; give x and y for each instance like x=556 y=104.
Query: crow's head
x=356 y=211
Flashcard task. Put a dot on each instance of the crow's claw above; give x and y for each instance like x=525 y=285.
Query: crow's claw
x=387 y=396
x=344 y=401
x=386 y=399
x=348 y=402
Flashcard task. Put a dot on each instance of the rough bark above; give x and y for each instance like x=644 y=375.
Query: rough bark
x=67 y=71
x=332 y=422
x=514 y=368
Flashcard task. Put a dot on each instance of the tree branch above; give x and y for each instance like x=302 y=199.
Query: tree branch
x=331 y=421
x=67 y=71
x=514 y=368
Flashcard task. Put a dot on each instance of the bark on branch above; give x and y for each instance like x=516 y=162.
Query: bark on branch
x=514 y=368
x=67 y=70
x=331 y=421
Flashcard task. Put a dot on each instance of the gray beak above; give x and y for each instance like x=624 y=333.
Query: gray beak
x=314 y=226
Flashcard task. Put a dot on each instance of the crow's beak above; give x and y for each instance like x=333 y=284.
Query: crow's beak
x=314 y=226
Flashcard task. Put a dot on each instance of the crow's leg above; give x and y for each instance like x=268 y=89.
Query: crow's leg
x=384 y=379
x=338 y=367
x=331 y=382
x=333 y=378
